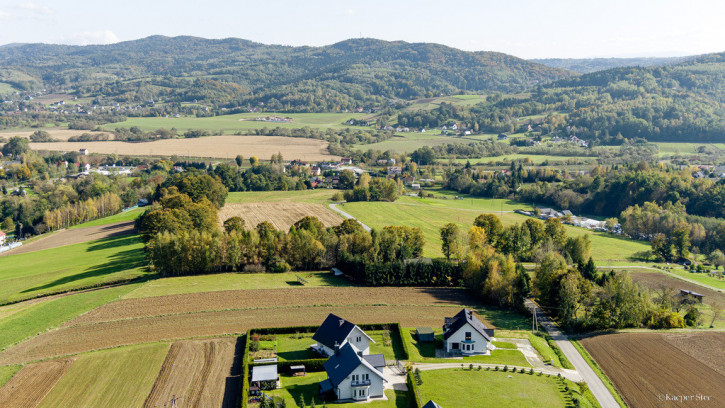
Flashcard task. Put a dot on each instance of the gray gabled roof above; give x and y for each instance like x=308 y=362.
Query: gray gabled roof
x=343 y=362
x=460 y=320
x=334 y=330
x=431 y=404
x=375 y=360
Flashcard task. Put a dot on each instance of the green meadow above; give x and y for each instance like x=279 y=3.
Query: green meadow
x=72 y=267
x=241 y=121
x=129 y=215
x=319 y=196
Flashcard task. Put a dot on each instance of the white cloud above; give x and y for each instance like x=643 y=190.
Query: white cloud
x=4 y=15
x=91 y=37
x=36 y=8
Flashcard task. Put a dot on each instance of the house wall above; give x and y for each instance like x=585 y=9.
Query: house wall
x=344 y=389
x=359 y=340
x=479 y=345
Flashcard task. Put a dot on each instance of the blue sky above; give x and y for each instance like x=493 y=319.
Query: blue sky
x=525 y=28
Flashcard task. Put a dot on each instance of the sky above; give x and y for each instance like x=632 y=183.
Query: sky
x=524 y=28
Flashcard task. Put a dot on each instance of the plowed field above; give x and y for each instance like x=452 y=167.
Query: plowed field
x=271 y=298
x=651 y=370
x=31 y=384
x=199 y=372
x=281 y=215
x=77 y=339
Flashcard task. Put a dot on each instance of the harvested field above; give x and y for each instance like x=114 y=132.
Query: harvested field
x=74 y=236
x=657 y=281
x=222 y=147
x=648 y=370
x=281 y=215
x=707 y=348
x=59 y=134
x=273 y=298
x=200 y=372
x=31 y=384
x=78 y=339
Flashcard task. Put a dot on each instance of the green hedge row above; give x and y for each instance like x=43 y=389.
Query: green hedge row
x=406 y=347
x=413 y=388
x=245 y=371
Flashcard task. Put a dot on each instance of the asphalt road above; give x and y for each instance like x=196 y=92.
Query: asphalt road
x=601 y=393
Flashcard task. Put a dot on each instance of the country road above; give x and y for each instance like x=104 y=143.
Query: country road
x=334 y=208
x=600 y=391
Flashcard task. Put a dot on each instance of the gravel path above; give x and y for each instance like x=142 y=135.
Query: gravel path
x=334 y=208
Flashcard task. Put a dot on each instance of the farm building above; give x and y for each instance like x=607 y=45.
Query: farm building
x=335 y=332
x=465 y=334
x=425 y=334
x=351 y=376
x=431 y=404
x=691 y=294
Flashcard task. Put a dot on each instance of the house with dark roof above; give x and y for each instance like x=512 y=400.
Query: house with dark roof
x=352 y=376
x=431 y=404
x=335 y=332
x=465 y=334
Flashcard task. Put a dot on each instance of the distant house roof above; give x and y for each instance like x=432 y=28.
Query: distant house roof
x=2 y=234
x=460 y=320
x=333 y=331
x=264 y=373
x=689 y=292
x=343 y=362
x=431 y=404
x=424 y=330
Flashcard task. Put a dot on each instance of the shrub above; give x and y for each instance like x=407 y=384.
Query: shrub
x=505 y=368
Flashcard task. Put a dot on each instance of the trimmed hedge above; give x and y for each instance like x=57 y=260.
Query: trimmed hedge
x=413 y=387
x=406 y=347
x=245 y=371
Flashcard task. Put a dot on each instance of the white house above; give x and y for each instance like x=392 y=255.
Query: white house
x=83 y=152
x=465 y=334
x=335 y=332
x=351 y=376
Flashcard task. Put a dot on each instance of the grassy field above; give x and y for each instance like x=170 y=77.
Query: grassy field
x=703 y=278
x=535 y=159
x=70 y=267
x=7 y=372
x=307 y=387
x=411 y=141
x=542 y=347
x=120 y=217
x=242 y=121
x=320 y=196
x=52 y=313
x=431 y=214
x=669 y=149
x=233 y=281
x=463 y=389
x=113 y=378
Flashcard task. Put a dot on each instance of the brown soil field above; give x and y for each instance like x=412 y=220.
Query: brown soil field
x=74 y=236
x=650 y=371
x=77 y=339
x=59 y=134
x=222 y=147
x=271 y=298
x=201 y=372
x=709 y=348
x=32 y=383
x=282 y=215
x=656 y=281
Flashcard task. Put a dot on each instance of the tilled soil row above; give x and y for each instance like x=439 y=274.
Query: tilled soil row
x=32 y=383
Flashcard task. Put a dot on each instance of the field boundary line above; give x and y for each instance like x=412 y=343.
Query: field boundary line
x=334 y=208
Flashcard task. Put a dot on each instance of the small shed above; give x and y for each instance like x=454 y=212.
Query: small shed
x=689 y=293
x=265 y=377
x=425 y=334
x=297 y=370
x=336 y=272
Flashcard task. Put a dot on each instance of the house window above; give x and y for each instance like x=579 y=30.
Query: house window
x=468 y=336
x=365 y=377
x=359 y=339
x=354 y=377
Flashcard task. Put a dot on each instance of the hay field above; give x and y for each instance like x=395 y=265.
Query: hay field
x=281 y=214
x=32 y=383
x=222 y=147
x=646 y=367
x=200 y=373
x=111 y=378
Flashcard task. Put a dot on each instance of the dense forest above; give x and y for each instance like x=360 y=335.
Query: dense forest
x=232 y=71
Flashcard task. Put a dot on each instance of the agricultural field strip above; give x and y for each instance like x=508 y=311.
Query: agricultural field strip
x=79 y=339
x=281 y=214
x=258 y=299
x=29 y=386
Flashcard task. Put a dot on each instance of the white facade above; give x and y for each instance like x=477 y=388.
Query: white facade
x=363 y=383
x=467 y=341
x=357 y=339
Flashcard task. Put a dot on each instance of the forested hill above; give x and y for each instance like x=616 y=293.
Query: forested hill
x=351 y=72
x=587 y=65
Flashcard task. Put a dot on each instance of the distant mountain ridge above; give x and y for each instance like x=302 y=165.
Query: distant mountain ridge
x=364 y=70
x=588 y=65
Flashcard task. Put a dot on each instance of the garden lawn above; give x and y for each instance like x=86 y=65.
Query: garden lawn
x=71 y=267
x=120 y=377
x=307 y=387
x=425 y=352
x=465 y=389
x=234 y=281
x=129 y=215
x=52 y=313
